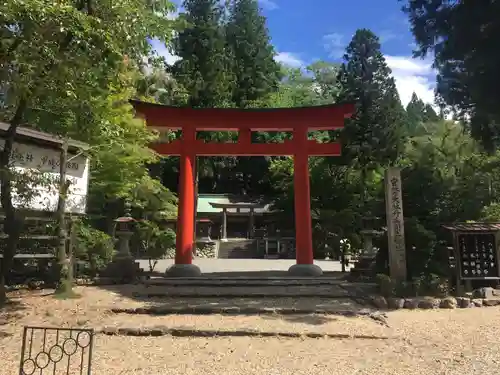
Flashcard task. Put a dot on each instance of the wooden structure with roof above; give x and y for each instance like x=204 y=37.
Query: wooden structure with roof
x=233 y=216
x=299 y=121
x=476 y=251
x=37 y=150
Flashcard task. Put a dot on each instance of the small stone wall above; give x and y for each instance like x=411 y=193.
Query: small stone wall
x=479 y=298
x=205 y=250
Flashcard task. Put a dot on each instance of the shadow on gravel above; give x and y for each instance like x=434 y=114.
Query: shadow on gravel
x=273 y=294
x=10 y=312
x=314 y=320
x=310 y=310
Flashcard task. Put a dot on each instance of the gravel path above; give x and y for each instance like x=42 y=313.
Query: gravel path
x=427 y=342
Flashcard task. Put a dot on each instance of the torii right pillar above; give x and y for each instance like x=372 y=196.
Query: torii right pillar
x=302 y=199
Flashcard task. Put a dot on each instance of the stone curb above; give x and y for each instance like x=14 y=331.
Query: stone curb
x=184 y=332
x=243 y=282
x=426 y=303
x=209 y=310
x=274 y=294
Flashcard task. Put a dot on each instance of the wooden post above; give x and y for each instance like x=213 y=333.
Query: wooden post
x=303 y=229
x=395 y=224
x=185 y=215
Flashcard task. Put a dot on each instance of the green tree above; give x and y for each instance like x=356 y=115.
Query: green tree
x=325 y=81
x=374 y=135
x=463 y=36
x=415 y=111
x=204 y=67
x=59 y=61
x=255 y=70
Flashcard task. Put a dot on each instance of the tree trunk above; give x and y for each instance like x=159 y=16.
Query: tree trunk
x=13 y=221
x=63 y=256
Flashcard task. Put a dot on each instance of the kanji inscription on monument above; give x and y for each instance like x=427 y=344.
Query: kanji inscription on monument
x=395 y=224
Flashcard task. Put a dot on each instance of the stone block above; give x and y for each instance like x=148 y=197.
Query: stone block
x=491 y=301
x=395 y=303
x=464 y=302
x=183 y=270
x=485 y=292
x=122 y=269
x=305 y=270
x=411 y=303
x=478 y=302
x=379 y=302
x=429 y=303
x=448 y=303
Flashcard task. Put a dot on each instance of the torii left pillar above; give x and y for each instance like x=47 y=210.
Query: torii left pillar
x=183 y=266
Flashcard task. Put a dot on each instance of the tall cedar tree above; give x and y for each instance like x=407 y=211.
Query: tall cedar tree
x=257 y=75
x=418 y=112
x=374 y=134
x=203 y=68
x=464 y=38
x=256 y=72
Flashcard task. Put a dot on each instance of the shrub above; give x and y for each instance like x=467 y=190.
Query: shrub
x=155 y=242
x=386 y=285
x=94 y=247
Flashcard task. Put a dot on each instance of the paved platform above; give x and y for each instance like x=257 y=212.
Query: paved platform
x=246 y=267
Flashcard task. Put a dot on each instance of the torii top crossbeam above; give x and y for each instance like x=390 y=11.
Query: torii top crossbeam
x=297 y=120
x=324 y=117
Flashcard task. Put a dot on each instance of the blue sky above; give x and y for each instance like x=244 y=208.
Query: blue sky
x=305 y=31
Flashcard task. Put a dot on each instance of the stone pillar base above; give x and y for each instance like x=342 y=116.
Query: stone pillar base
x=122 y=268
x=305 y=270
x=183 y=270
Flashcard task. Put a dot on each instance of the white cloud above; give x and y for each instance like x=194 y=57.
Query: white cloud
x=385 y=36
x=413 y=75
x=268 y=4
x=289 y=59
x=334 y=44
x=162 y=50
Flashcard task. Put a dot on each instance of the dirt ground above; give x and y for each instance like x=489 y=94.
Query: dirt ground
x=427 y=342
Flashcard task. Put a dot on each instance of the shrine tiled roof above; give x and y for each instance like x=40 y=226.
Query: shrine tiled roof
x=473 y=227
x=213 y=203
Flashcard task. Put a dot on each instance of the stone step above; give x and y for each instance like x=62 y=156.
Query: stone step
x=235 y=282
x=237 y=249
x=241 y=291
x=348 y=311
x=189 y=332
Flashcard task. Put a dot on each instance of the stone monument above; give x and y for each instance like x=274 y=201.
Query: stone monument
x=395 y=224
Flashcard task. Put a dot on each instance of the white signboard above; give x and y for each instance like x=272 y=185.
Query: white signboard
x=395 y=224
x=40 y=166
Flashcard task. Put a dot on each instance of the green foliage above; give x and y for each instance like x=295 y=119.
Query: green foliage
x=94 y=247
x=155 y=242
x=462 y=35
x=256 y=72
x=374 y=134
x=491 y=213
x=426 y=285
x=418 y=112
x=204 y=67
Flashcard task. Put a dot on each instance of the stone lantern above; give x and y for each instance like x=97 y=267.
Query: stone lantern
x=123 y=267
x=124 y=230
x=368 y=254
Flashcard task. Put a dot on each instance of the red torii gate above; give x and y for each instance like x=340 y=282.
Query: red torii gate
x=297 y=120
